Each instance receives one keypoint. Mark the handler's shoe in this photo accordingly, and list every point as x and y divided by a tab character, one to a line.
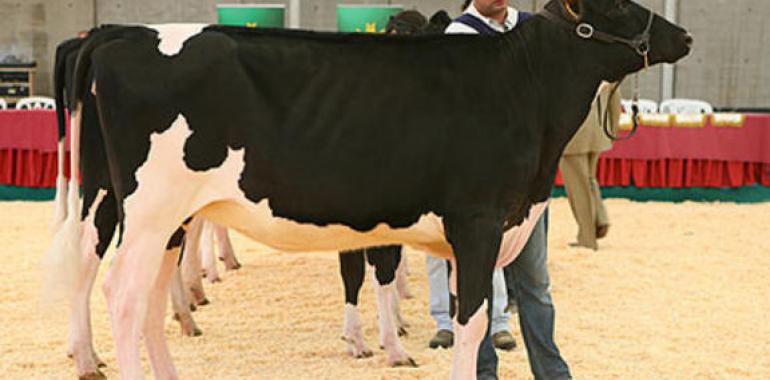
443	339
601	231
503	340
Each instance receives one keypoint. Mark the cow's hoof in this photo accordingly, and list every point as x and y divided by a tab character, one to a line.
203	302
98	375
193	307
357	350
235	266
214	280
195	332
365	354
402	331
408	362
602	230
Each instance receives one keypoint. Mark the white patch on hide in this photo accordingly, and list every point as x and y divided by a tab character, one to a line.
516	238
173	36
468	338
216	194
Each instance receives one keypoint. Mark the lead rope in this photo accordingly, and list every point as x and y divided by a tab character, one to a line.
634	105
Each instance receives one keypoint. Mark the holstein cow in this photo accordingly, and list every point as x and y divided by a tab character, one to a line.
319	141
80	344
186	288
390	266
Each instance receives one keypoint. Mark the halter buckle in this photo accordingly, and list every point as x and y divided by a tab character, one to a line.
585	30
643	47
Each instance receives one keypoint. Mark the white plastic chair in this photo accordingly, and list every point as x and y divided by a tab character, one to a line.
645	106
3	104
36	102
685	106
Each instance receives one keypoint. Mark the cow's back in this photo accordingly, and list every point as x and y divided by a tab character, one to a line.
353	130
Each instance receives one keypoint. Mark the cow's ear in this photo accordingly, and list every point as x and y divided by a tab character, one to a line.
573	9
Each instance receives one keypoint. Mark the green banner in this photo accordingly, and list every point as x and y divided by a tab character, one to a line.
252	15
365	18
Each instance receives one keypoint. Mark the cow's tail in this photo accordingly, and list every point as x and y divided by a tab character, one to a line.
63	260
60	66
62	264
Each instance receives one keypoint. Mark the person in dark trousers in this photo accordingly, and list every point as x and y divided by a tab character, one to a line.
529	271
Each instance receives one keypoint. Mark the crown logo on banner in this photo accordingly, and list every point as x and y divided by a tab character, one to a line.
251	24
370	27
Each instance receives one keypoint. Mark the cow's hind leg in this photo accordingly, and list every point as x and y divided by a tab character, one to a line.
154	336
191	264
475	240
98	230
226	251
402	279
181	305
81	347
207	252
385	260
131	280
353	271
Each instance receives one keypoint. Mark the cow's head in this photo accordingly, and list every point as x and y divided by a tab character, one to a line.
623	35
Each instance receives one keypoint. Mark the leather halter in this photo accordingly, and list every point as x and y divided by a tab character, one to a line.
639	43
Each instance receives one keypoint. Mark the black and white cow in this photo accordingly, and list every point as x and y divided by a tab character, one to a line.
186	288
80	344
322	141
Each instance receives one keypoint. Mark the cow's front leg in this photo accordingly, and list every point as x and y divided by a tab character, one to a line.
352	271
385	260
475	240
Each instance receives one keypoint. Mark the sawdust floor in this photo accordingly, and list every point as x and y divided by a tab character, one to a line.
677	291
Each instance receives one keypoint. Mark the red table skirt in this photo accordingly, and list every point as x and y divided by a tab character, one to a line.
679	173
29	168
710	156
32	168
